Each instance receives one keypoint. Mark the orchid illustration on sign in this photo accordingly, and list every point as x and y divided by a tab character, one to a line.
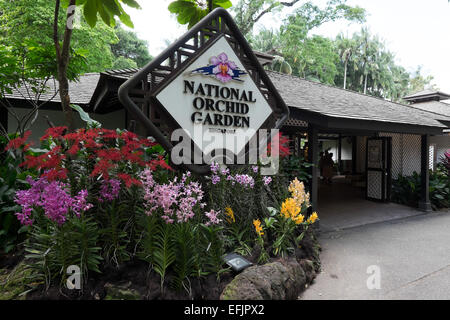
222	69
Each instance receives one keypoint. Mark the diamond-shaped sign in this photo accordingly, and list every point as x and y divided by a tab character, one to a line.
216	97
208	83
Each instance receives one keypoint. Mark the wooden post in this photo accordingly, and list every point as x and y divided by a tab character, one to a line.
313	157
340	154
354	154
424	203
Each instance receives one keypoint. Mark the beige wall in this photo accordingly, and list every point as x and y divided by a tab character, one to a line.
442	144
112	120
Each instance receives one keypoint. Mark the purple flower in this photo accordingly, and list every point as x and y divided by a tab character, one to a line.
215	179
213	217
174	200
255	169
80	203
223	69
53	198
109	190
267	180
245	180
215	167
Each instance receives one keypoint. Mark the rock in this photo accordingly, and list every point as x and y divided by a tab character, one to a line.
280	280
121	292
309	269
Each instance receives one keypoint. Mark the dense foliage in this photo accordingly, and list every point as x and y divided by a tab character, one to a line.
360	63
192	11
102	46
406	190
97	198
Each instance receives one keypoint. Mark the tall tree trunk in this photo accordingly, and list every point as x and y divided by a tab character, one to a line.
62	59
365	83
345	74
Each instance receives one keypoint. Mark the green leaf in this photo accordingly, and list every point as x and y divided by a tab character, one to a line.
85	117
126	20
90	12
222	3
112	6
180	5
132	4
106	17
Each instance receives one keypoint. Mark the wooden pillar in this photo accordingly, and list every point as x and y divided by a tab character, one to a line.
354	154
313	157
424	202
340	154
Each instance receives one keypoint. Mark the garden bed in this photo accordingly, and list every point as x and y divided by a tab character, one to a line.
103	211
135	280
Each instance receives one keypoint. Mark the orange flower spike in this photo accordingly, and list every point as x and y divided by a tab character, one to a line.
258	227
230	215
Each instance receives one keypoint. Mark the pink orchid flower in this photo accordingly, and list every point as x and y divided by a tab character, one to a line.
223	67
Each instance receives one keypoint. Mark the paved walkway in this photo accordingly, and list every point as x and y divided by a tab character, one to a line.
412	256
342	206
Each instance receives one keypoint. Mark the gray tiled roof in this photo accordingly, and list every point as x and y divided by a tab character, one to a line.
437	107
427	93
339	103
297	93
81	92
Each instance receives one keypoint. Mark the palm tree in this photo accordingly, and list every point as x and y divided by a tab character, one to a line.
346	49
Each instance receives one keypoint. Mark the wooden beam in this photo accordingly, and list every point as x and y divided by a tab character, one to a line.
313	157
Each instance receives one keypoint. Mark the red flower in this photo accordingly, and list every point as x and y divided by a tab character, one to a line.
102	167
50	160
109	154
109	134
55	174
128	180
74	149
55	132
160	162
283	146
18	142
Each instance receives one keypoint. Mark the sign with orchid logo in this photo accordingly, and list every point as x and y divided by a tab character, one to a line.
216	95
222	69
210	85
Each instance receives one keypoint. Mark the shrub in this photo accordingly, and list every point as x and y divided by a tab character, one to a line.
176	234
82	205
406	190
286	225
99	198
12	178
444	164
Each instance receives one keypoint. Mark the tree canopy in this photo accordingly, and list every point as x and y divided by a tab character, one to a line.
360	63
103	47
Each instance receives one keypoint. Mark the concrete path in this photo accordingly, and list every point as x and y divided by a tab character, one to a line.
342	206
411	257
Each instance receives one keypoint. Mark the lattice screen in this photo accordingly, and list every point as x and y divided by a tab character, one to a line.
431	156
406	153
374	184
296	123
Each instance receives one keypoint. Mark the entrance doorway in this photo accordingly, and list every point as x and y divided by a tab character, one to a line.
359	196
379	169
